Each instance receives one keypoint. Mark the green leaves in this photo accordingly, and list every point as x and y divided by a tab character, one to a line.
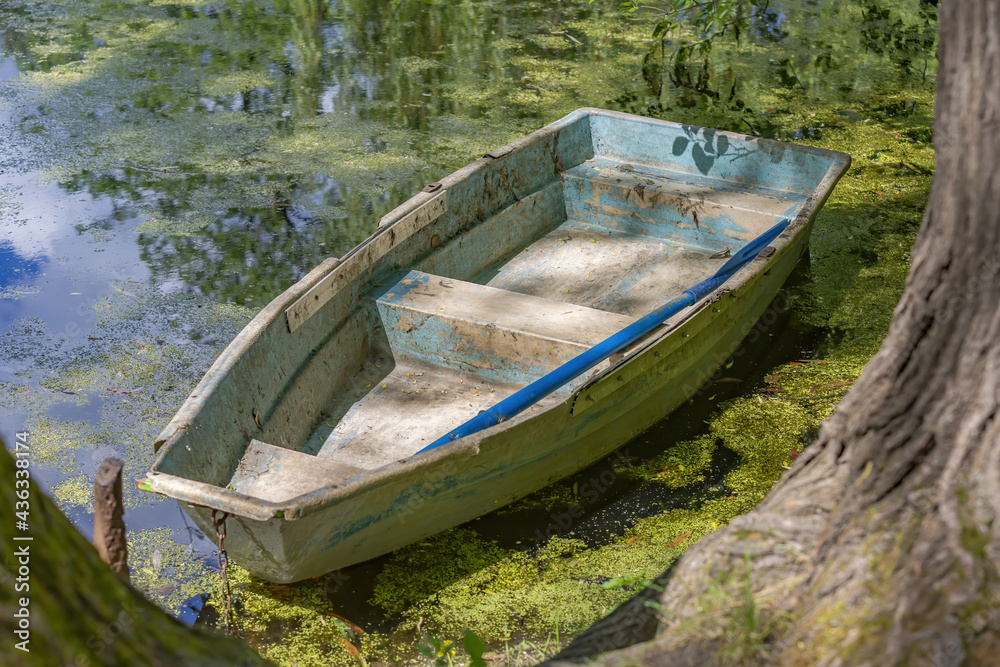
706	18
664	27
442	652
475	647
439	651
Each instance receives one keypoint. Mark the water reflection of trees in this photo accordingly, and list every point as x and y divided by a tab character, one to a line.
248	255
390	64
399	67
239	254
797	57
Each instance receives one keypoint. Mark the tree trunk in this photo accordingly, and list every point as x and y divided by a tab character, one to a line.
61	605
881	545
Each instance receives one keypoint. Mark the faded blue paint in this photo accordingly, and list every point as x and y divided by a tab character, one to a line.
673	205
491	353
701	151
611	205
415	495
485	247
737	261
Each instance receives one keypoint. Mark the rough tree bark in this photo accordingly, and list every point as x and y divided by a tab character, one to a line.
882	544
61	605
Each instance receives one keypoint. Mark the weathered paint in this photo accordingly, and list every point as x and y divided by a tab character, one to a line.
357	384
496	334
711	154
697	211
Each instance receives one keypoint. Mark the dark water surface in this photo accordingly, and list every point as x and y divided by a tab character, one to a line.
168	168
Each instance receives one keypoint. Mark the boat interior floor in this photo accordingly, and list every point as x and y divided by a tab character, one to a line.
391	421
387	422
459	348
628	241
635	236
606	269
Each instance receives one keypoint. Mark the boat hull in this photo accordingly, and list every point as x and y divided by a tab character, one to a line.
533	453
298	505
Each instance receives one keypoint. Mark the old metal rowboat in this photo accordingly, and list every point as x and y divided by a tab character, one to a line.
323	429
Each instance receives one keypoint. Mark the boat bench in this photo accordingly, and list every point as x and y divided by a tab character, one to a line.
278	474
651	201
458	348
496	334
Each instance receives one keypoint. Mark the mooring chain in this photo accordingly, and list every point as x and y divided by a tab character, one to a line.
220	534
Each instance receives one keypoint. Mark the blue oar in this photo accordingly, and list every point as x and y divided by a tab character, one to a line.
584	361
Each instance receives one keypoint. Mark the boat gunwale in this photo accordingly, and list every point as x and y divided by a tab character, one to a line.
212	496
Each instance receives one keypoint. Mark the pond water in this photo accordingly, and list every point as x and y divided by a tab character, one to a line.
168	167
